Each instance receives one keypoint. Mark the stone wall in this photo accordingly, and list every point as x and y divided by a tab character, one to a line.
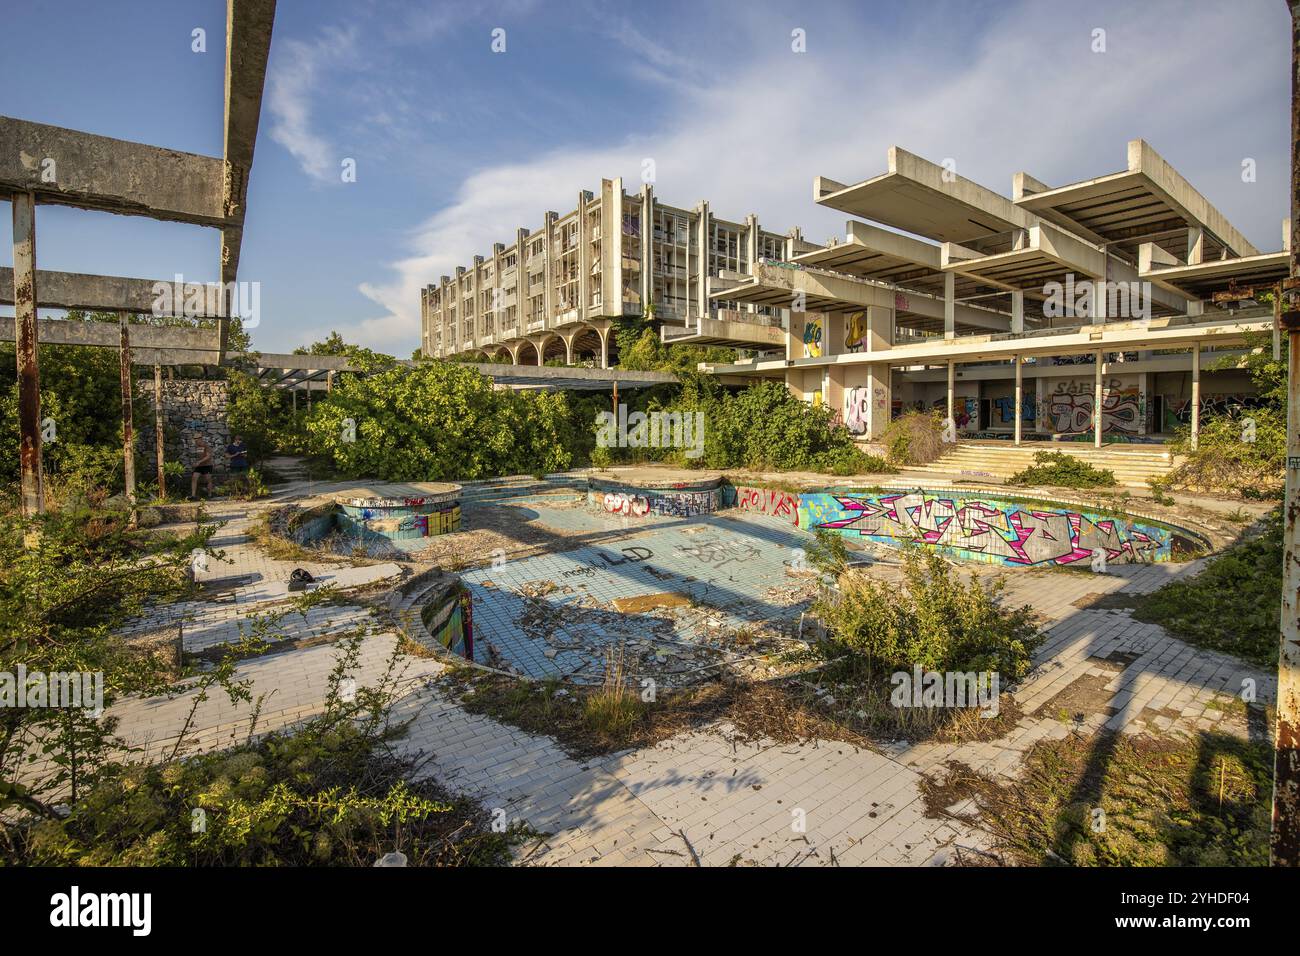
190	407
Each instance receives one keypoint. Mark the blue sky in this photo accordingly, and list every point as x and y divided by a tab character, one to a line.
455	145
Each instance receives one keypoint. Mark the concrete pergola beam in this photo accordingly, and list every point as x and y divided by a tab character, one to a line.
106	335
72	168
76	290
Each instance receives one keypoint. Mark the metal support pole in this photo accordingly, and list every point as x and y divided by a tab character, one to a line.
1196	394
128	423
1020	395
1098	401
158	430
25	341
952	374
1285	844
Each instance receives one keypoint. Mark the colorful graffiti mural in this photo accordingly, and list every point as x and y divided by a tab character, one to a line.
812	338
855	332
677	504
1178	411
769	501
1069	409
1006	409
999	531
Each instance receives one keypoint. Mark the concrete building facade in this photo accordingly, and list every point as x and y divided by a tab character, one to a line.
554	291
1042	314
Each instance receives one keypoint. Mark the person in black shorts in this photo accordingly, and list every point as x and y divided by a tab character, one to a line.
201	467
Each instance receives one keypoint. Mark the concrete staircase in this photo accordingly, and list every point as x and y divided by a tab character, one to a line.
1132	464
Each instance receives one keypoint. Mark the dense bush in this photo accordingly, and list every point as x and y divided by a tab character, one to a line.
1060	470
442	421
914	438
932	620
1241	451
762	427
1232	605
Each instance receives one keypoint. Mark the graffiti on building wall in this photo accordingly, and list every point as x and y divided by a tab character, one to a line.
1003	532
769	501
1006	404
966	411
1069	409
1178	411
812	338
857	408
855	332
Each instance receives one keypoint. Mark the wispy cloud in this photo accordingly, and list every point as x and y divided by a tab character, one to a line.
297	75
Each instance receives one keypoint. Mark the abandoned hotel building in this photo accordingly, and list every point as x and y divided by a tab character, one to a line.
1018	317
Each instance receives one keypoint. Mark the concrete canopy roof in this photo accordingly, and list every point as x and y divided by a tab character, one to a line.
776	284
921	198
1150	197
871	252
1204	279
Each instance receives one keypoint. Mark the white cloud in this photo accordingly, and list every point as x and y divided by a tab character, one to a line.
1029	95
297	73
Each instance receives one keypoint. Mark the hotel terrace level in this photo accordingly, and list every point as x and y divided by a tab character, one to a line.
1124	301
553	292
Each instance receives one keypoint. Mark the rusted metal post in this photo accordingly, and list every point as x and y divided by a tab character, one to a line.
1285	844
158	430
29	376
128	422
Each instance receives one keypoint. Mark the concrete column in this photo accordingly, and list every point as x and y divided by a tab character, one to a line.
604	347
880	328
584	257
1196	393
1097	402
952	376
1195	245
647	245
548	281
1041	408
702	290
1018	313
949	305
1020	395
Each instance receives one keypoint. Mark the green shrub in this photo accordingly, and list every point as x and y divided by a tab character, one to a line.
1065	471
932	620
321	796
1234	604
442	421
1240	452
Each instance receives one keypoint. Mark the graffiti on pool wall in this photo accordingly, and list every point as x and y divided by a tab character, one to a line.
678	504
1000	531
769	501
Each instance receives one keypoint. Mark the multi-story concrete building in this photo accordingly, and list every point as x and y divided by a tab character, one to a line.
1028	316
554	292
